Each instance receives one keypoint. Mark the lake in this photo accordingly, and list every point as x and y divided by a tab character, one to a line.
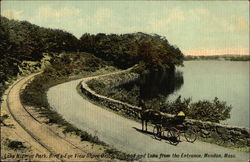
227	80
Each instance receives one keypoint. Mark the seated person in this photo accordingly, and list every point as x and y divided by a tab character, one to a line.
178	119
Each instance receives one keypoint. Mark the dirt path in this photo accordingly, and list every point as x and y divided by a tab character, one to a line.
48	143
125	134
15	132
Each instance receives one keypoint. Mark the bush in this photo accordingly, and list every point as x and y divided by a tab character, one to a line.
177	105
210	111
205	110
16	145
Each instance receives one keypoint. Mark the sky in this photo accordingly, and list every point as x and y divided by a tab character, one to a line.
196	27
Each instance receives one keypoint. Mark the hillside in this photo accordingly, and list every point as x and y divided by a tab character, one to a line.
25	44
152	51
23	41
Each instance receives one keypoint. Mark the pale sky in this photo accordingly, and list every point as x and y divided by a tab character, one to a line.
196	27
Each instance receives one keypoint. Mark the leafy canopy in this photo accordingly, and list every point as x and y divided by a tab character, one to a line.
152	52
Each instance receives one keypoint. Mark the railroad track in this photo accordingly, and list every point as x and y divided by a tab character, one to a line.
34	136
22	125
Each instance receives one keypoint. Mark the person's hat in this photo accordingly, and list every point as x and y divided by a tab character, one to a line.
181	113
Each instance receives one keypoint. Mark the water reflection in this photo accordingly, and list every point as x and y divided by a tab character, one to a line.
158	83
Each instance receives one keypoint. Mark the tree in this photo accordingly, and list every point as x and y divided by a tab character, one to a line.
128	49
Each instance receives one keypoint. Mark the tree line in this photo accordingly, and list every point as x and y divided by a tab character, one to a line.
219	57
151	51
22	41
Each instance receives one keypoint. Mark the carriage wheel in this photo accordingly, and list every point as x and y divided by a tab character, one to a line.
173	136
191	134
157	132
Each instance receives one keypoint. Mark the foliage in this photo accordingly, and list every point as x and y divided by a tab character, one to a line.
21	40
176	106
83	135
205	110
152	51
2	118
214	111
28	41
239	58
131	97
210	111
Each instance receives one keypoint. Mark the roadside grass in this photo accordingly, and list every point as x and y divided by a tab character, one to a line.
5	86
224	144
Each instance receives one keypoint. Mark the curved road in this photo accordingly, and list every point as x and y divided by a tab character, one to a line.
124	134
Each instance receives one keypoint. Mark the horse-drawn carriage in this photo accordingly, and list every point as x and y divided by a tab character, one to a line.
169	128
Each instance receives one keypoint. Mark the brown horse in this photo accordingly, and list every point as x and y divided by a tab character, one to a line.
150	115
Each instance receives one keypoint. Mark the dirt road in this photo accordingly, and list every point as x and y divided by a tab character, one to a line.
125	134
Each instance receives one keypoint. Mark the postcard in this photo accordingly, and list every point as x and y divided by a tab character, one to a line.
124	81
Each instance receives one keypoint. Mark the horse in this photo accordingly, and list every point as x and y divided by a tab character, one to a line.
150	115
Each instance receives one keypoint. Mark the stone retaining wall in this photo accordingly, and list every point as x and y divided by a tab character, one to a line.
128	109
120	78
223	134
217	133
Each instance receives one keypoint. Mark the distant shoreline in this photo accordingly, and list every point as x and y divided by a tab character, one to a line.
218	57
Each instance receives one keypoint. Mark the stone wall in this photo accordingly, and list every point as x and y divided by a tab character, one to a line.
130	110
223	134
213	132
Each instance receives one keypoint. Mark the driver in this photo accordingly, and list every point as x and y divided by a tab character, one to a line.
180	117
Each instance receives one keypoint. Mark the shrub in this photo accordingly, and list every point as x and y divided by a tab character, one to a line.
16	145
209	111
205	110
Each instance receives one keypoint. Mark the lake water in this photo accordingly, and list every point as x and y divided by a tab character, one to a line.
227	80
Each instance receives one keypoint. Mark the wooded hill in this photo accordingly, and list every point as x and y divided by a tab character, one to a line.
22	41
150	50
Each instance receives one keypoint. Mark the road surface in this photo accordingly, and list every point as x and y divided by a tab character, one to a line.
125	135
